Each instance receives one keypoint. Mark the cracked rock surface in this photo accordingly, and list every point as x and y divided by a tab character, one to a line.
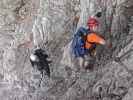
50	24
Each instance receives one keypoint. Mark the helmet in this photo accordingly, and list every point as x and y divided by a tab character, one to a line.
92	22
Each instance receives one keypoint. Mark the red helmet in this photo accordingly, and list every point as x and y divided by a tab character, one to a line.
92	22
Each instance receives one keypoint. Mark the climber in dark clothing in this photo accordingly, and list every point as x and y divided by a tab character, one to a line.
39	59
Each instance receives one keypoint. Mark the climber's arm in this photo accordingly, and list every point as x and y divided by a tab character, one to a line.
94	38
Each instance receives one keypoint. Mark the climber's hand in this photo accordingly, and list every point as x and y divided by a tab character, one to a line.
102	42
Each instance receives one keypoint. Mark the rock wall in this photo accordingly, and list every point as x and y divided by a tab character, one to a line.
50	24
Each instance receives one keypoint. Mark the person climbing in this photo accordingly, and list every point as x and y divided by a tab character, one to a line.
39	59
85	40
83	34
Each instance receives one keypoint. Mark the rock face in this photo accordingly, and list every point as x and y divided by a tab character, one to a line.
50	24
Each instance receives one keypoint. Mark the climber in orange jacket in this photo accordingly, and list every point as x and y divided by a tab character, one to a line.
88	41
91	40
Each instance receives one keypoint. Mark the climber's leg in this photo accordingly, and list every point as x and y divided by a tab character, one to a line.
88	62
92	51
81	61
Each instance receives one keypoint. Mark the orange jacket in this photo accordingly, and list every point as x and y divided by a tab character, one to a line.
93	38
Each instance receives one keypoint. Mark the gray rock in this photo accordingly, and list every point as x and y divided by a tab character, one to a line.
50	24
